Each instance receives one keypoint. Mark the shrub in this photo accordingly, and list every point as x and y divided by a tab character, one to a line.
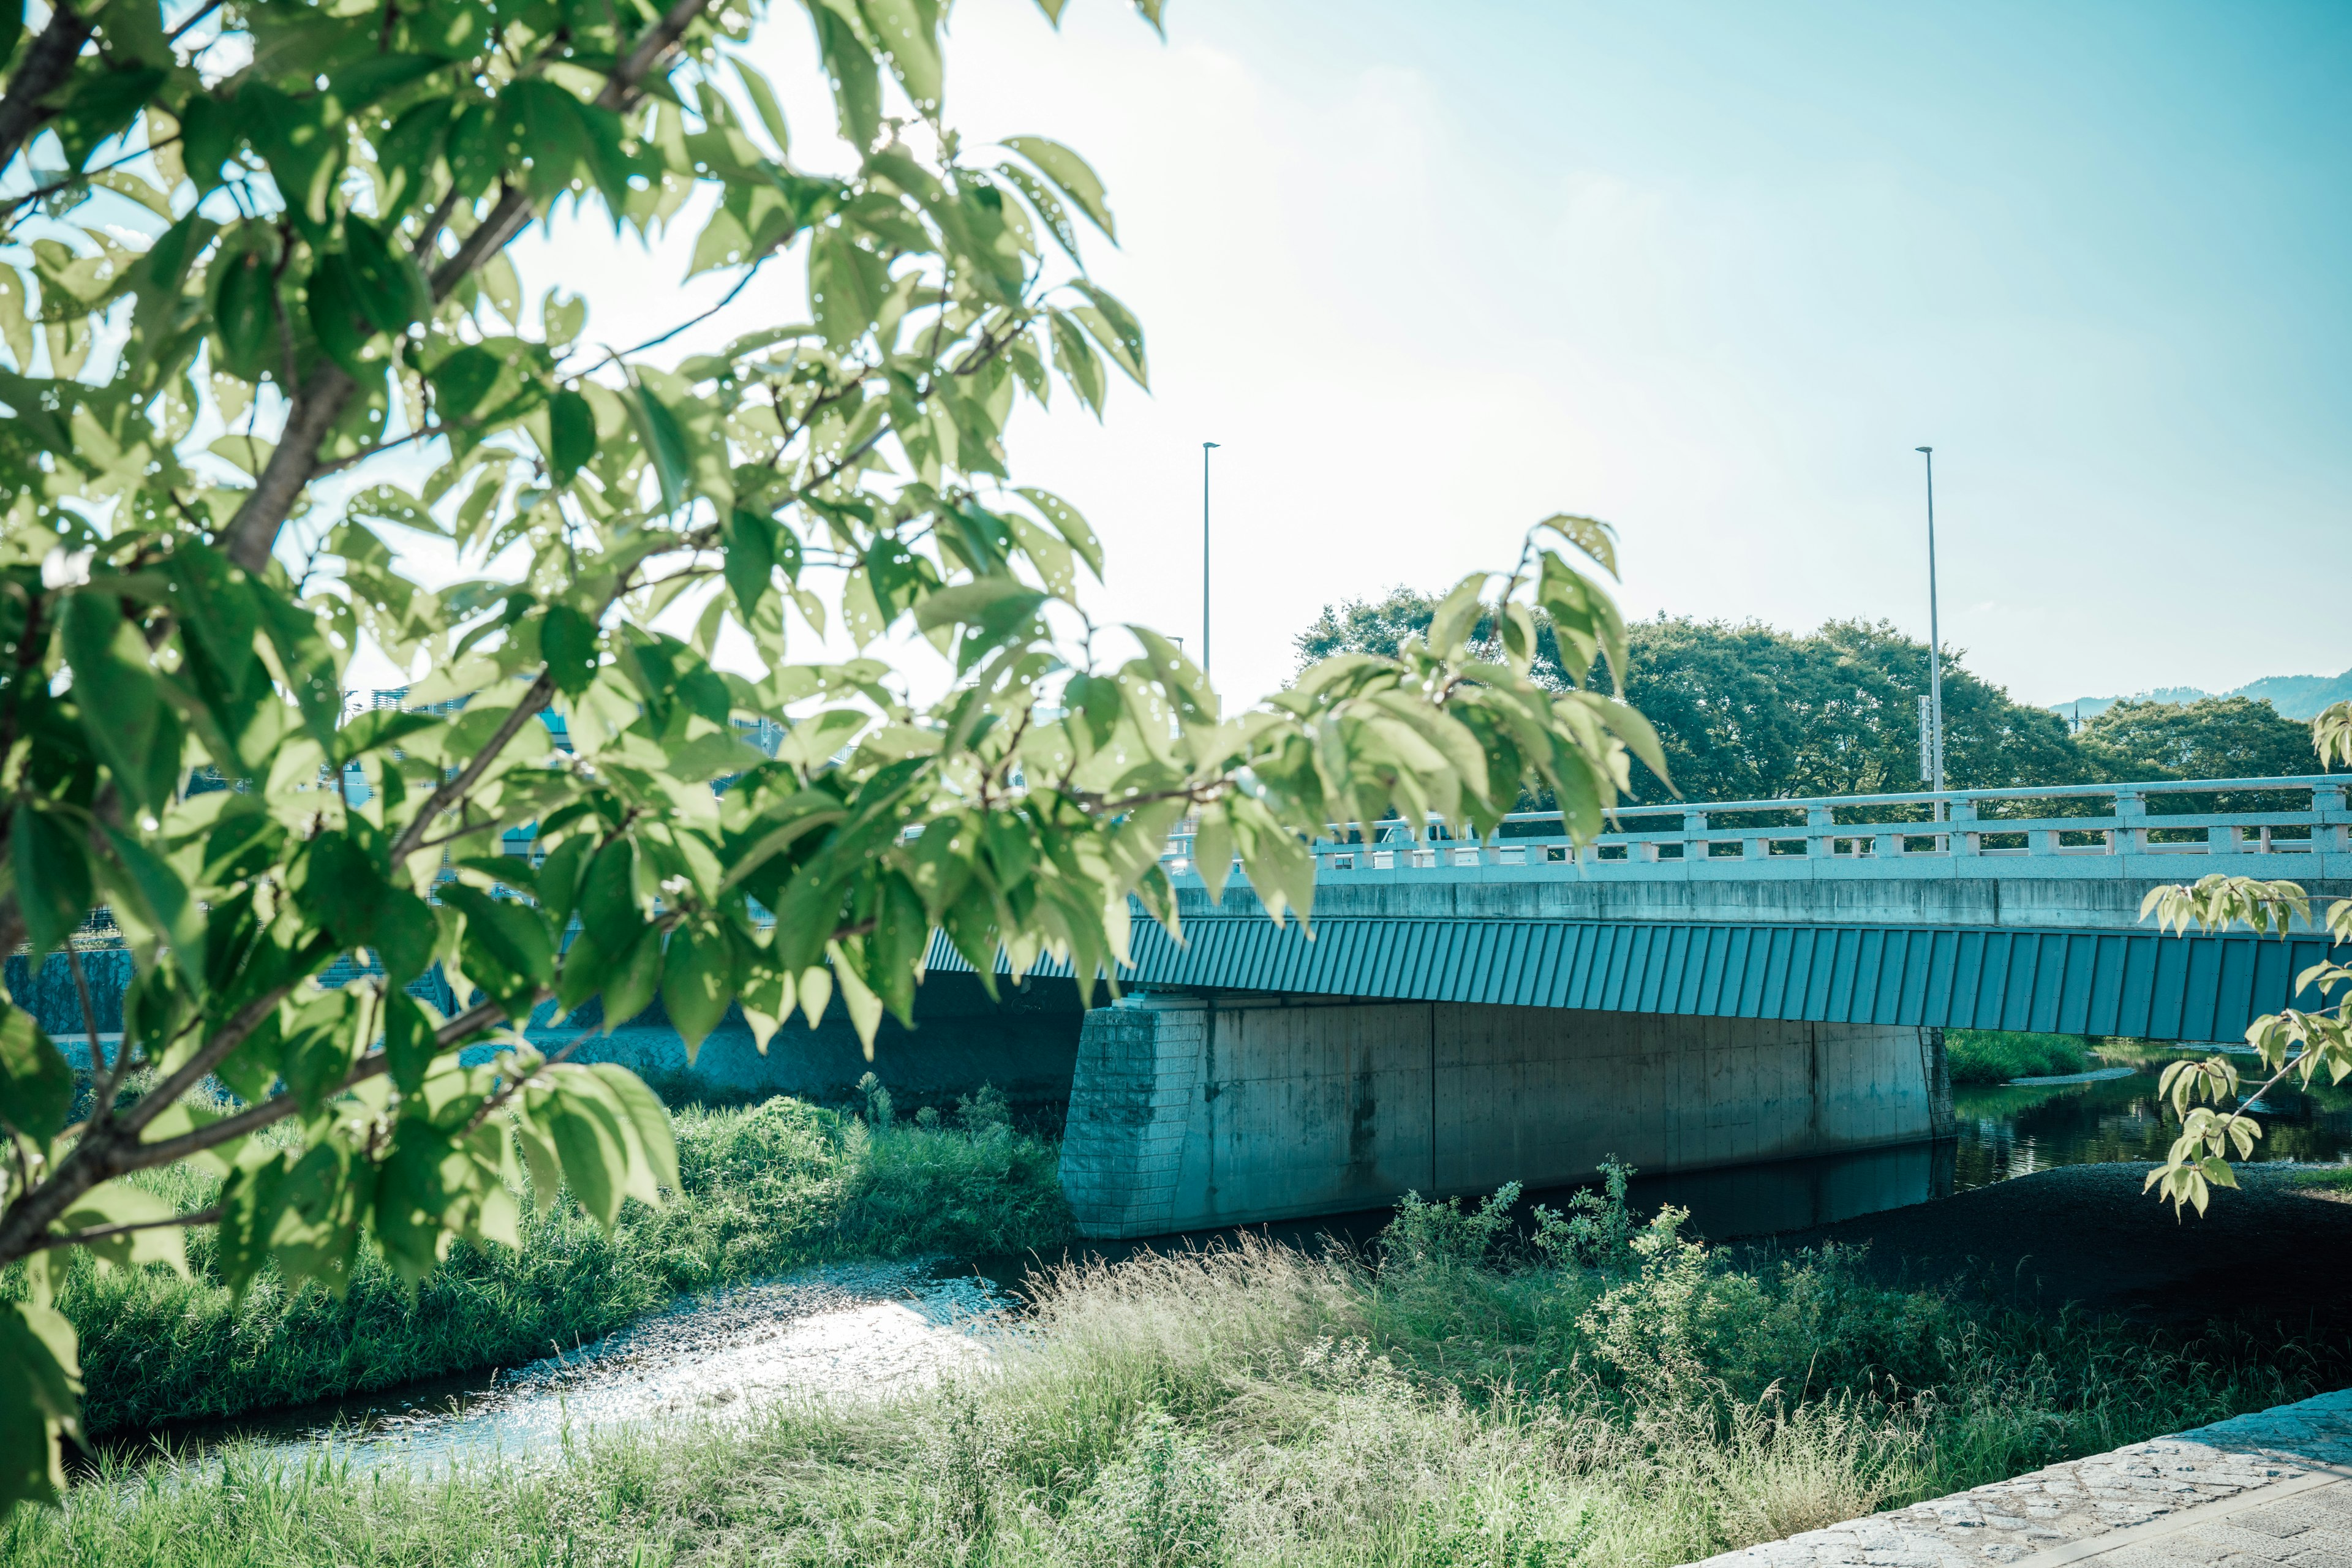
763	1189
1994	1056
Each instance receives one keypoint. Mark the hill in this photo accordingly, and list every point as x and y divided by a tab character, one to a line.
2295	696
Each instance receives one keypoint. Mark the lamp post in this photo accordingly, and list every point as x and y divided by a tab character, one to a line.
1934	647
1206	448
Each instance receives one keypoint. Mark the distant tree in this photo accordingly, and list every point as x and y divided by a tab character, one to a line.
1749	712
2218	737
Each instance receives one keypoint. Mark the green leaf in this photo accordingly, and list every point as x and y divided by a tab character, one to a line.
36	1086
665	445
908	32
1071	176
507	952
750	559
119	1203
698	982
120	701
1056	216
572	425
1070	525
847	284
52	876
319	1045
348	891
391	289
409	1042
40	1401
1592	536
559	877
102	104
857	79
1115	327
567	640
16	321
145	881
763	101
588	1126
629	986
1077	361
611	908
245	311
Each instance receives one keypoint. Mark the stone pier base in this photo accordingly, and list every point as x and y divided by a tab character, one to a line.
1189	1111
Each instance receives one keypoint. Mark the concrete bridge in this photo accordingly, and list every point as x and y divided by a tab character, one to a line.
1707	988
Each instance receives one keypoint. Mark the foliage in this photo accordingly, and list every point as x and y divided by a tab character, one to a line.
2297	1042
260	245
1426	1232
2216	738
1997	1056
763	1190
1749	712
1256	1404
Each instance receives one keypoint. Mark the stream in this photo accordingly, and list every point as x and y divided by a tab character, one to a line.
863	1330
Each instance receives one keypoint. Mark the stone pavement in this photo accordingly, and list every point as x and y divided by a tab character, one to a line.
2257	1490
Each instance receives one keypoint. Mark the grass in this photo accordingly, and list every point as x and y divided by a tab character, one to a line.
765	1189
1997	1056
1610	1393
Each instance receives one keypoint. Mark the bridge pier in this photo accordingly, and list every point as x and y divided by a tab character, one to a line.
1189	1111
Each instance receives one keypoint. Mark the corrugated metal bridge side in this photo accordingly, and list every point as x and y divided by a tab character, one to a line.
2138	985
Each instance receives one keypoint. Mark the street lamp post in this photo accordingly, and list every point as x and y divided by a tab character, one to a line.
1206	448
1934	647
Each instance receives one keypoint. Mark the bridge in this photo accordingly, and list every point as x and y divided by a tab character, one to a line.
1705	989
1701	988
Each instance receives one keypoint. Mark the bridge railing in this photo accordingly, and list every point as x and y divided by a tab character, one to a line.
2284	817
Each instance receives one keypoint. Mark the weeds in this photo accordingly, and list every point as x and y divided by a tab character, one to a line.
1611	1394
1997	1056
764	1189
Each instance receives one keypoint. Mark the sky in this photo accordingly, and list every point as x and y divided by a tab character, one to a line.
1429	273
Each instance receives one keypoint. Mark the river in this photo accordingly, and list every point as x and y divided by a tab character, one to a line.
875	1328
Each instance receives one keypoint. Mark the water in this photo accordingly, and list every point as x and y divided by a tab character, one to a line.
854	1331
865	1331
2009	1130
2003	1130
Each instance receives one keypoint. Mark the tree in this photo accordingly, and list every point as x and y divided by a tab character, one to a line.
286	221
1749	712
2211	1100
2214	738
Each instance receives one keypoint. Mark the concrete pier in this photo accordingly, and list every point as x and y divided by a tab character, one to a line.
1189	1111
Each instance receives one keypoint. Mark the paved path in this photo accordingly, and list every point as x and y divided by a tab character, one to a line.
2252	1492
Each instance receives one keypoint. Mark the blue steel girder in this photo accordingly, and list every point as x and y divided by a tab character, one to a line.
2138	985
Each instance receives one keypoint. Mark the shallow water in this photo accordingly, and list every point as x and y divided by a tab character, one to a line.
2015	1130
847	1330
863	1330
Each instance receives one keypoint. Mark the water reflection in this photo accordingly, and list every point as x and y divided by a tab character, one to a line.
2014	1129
851	1331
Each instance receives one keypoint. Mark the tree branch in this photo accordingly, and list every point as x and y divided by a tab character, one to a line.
43	69
108	1232
253	1118
412	837
253	532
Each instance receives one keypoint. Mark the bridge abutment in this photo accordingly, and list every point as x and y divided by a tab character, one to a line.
1189	1111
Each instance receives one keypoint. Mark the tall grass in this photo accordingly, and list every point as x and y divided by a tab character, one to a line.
1614	1395
763	1189
1996	1056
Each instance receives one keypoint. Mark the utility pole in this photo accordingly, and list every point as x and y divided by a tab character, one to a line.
1934	647
1206	448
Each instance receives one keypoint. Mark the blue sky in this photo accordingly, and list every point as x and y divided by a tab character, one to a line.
1431	272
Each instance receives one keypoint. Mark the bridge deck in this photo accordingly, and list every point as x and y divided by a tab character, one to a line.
1872	917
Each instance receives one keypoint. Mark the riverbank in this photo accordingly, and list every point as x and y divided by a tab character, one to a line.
2276	1250
1614	1394
765	1189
